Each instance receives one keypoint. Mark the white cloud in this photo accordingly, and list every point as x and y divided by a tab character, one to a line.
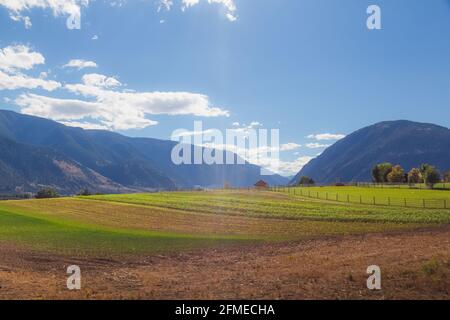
99	80
26	20
18	81
165	4
289	146
190	3
326	136
84	125
118	3
94	37
289	168
114	109
19	57
231	17
106	104
58	7
316	145
229	6
170	103
72	8
260	156
58	109
244	128
14	60
78	112
80	64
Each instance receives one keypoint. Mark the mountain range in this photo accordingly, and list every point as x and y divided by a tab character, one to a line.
399	142
37	152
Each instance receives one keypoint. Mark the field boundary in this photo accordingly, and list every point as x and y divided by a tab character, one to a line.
366	200
423	186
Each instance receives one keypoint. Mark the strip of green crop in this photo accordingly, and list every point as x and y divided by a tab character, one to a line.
288	208
69	236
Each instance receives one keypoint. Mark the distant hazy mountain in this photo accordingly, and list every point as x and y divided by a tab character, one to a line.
37	152
399	142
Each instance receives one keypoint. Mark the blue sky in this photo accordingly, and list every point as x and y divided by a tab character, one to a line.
306	67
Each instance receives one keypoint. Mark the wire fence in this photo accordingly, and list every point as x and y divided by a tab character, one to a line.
364	199
436	186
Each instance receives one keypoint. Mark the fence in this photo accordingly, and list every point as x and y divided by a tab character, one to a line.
370	200
437	186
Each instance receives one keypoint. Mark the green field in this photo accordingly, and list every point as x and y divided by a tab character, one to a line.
386	196
72	237
161	222
437	186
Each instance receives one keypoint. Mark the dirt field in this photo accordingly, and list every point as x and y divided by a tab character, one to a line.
414	265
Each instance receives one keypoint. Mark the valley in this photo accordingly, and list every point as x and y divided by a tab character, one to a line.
167	245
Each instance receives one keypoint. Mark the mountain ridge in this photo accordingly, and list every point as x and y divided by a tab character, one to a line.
403	142
123	164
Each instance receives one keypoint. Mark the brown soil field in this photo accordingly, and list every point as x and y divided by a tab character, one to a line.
414	265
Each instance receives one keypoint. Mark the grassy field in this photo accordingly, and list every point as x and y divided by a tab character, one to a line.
161	222
221	245
77	238
387	192
441	185
389	196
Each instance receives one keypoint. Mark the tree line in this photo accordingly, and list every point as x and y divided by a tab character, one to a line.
387	173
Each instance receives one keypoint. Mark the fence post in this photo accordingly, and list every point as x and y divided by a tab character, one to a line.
389	201
348	198
405	203
423	200
374	201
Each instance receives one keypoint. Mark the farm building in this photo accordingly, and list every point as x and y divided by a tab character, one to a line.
261	184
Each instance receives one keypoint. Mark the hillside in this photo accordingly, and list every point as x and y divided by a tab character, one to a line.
400	142
110	162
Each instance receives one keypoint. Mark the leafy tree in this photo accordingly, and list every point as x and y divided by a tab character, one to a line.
381	171
432	176
447	176
376	174
423	168
306	180
46	193
397	175
414	176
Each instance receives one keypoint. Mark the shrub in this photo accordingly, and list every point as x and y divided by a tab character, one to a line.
46	193
84	192
431	267
432	176
381	171
447	176
423	168
414	176
306	181
397	175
